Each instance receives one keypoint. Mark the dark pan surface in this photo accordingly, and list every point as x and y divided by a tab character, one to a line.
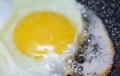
109	12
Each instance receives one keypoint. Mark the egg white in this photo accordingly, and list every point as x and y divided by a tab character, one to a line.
6	11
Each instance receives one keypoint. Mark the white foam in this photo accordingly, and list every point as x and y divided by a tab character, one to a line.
103	58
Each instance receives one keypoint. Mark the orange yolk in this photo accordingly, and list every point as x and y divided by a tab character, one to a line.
39	33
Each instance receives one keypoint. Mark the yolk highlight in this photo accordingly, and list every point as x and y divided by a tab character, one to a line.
39	33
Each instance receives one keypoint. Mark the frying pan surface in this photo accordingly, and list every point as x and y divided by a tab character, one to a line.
109	12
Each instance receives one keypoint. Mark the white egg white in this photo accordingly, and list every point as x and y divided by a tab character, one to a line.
6	11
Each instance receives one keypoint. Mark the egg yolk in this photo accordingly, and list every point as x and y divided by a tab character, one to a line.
43	32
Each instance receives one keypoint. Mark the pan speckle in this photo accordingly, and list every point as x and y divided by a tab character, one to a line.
109	12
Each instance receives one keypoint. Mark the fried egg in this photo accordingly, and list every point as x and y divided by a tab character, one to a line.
41	35
55	38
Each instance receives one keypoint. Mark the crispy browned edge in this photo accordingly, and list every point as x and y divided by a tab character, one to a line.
112	51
